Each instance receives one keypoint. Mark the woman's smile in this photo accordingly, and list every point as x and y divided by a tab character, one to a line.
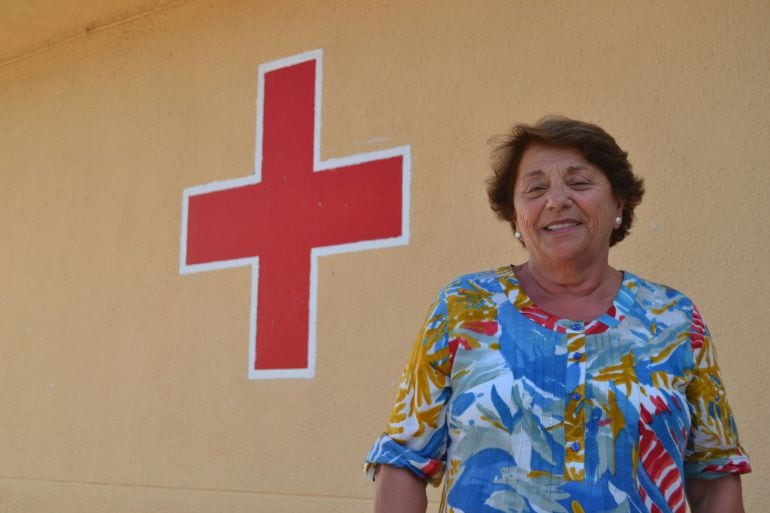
561	226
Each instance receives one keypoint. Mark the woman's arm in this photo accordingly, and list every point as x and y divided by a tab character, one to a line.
398	490
721	495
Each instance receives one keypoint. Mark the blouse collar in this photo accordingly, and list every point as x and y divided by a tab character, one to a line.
618	310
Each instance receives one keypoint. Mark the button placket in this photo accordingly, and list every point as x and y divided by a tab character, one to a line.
575	408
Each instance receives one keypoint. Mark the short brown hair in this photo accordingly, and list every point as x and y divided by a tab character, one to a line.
597	146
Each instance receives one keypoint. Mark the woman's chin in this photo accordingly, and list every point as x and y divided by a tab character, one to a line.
568	252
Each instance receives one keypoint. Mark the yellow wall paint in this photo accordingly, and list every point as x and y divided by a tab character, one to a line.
124	383
32	27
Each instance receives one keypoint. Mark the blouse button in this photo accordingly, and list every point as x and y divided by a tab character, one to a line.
576	396
596	413
577	356
575	446
577	327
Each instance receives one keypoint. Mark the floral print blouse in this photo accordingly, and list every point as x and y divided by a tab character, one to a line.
521	411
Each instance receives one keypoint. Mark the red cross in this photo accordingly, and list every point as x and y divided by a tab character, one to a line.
292	210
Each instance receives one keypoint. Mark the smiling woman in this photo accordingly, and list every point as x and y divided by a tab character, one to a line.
561	384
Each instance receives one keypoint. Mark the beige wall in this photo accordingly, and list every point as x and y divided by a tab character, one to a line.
124	383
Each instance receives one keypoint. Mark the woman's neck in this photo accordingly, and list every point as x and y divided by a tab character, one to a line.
571	281
577	294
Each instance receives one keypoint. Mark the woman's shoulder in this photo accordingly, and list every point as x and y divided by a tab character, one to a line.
656	296
489	279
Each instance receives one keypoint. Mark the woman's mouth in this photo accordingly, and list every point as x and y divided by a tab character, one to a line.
561	225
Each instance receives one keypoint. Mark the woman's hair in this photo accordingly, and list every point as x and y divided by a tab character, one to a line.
597	146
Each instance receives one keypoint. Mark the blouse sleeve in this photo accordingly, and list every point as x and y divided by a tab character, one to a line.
416	436
713	448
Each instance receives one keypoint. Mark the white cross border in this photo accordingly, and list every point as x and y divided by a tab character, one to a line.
256	177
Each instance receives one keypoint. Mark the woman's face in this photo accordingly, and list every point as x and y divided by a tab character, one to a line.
565	208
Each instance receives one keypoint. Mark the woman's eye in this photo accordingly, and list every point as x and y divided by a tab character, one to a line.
535	188
579	184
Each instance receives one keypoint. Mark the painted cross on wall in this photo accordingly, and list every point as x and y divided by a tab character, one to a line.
292	210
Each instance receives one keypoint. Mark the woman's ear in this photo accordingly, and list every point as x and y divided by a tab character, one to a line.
621	203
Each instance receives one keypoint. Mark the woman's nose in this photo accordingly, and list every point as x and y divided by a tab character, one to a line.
558	198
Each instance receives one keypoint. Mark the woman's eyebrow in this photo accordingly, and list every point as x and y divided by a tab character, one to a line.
575	169
570	170
535	172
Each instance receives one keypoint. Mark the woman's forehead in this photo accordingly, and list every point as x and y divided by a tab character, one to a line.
542	158
539	161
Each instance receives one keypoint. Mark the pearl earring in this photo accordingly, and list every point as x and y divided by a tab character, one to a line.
618	221
517	234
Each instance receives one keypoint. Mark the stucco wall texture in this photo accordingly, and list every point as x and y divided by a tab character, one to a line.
124	384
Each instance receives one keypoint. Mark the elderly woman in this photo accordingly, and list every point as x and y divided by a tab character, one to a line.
561	384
